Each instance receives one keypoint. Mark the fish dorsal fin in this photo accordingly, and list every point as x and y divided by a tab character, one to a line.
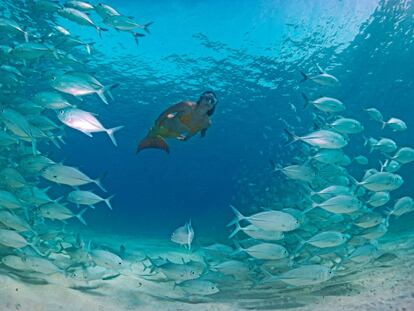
321	71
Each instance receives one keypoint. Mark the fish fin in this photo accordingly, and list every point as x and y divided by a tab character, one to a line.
34	247
320	70
266	272
101	94
302	243
238	248
304	77
108	201
314	205
146	29
45	190
55	142
366	141
98	182
108	89
26	36
235	231
146	266
156	142
306	99
383	165
137	35
88	47
87	133
99	30
291	136
239	216
111	132
58	199
34	146
79	216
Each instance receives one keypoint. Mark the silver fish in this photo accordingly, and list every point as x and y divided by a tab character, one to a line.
85	122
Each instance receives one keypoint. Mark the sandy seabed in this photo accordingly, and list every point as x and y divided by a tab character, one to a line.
389	287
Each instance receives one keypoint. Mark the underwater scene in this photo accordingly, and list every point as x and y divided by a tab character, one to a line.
206	155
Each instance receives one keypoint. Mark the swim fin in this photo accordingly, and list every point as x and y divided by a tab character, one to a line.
156	142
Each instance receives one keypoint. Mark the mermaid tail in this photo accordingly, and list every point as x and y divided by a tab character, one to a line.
155	142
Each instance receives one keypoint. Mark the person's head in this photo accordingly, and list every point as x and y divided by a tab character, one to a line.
207	102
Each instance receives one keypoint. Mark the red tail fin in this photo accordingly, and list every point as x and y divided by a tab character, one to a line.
155	142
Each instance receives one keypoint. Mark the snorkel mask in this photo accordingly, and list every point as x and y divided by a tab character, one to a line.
211	97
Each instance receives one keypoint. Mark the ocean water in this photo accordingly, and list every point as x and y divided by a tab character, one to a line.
251	54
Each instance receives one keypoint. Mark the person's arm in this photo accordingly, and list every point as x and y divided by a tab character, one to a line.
175	109
204	130
187	136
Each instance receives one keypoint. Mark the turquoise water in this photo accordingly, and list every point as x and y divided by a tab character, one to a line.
253	55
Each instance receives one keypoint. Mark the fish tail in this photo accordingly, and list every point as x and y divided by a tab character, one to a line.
146	29
314	205
98	182
88	47
152	267
304	77
239	249
156	142
26	36
79	216
239	216
99	30
383	165
101	94
291	136
108	89
137	35
366	141
235	231
268	276
384	124
108	201
34	247
58	199
111	133
356	182
302	242
147	267
34	146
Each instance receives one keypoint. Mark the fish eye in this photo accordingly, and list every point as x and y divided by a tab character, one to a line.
61	112
192	272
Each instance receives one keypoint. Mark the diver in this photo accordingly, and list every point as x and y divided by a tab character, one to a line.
181	121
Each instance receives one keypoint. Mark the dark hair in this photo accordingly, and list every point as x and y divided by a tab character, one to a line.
209	93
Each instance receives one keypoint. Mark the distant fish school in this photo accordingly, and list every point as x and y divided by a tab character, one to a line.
334	229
